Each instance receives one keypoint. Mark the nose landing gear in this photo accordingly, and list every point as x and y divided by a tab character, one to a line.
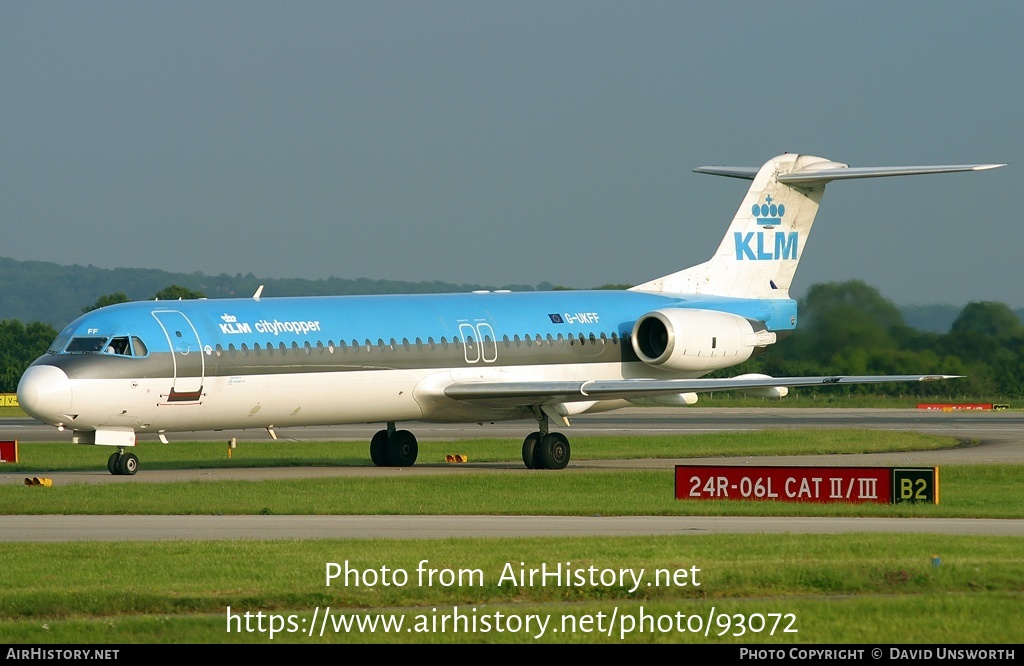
122	464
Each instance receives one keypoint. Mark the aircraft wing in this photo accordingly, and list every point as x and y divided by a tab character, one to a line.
546	392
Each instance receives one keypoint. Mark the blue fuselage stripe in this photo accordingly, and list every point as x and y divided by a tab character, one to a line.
236	321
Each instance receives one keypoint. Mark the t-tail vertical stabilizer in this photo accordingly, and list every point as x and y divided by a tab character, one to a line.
763	246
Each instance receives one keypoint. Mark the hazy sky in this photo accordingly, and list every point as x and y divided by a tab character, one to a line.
507	142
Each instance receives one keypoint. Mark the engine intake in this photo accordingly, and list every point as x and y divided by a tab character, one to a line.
697	340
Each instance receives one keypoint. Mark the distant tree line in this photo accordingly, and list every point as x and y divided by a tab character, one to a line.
844	328
21	344
54	293
848	328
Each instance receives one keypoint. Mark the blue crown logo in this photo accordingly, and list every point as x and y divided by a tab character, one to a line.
768	214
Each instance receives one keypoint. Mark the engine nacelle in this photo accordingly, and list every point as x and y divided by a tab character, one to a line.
697	340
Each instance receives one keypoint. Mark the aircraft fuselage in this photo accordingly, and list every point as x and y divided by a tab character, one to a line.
279	362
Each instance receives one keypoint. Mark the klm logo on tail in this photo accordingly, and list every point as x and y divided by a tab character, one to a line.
768	214
760	246
764	246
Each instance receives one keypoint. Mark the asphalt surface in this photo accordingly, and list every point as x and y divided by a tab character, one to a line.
649	421
990	437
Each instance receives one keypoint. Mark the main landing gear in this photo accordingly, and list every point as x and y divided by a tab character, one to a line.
393	448
543	449
122	464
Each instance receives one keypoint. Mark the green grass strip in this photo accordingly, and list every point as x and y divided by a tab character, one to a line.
848	588
967	491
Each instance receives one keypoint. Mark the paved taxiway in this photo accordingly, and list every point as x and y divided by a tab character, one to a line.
998	437
637	421
160	528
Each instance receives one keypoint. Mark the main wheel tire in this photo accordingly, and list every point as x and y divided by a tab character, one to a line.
112	463
128	464
402	449
379	449
530	449
554	451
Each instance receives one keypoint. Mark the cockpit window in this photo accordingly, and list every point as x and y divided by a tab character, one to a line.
140	346
120	345
85	345
59	343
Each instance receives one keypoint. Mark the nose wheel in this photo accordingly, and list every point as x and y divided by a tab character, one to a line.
122	464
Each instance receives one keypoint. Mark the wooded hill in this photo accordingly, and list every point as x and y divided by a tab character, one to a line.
55	294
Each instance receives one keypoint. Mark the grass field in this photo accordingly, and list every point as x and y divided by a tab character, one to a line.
853	588
863	588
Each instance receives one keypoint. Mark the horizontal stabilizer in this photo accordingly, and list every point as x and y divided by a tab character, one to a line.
746	173
825	172
814	176
540	392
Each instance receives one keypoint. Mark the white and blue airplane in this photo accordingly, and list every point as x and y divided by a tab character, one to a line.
178	366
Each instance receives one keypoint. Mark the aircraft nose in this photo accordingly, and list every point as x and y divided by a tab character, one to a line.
44	392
